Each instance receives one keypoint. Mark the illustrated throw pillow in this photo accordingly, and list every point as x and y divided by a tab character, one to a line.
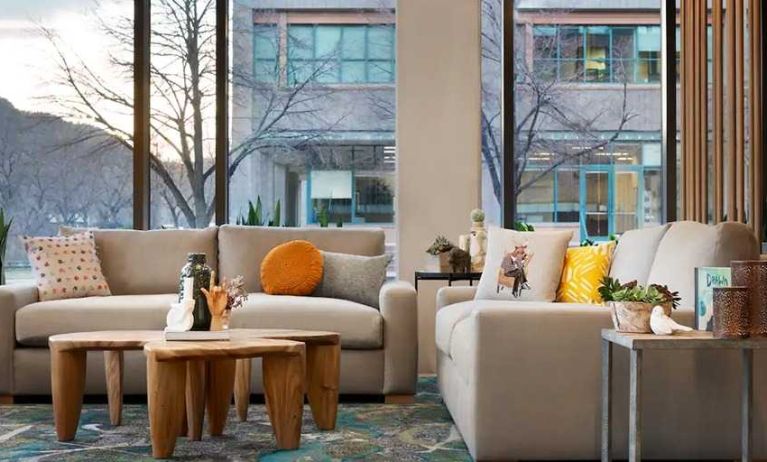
66	266
292	268
353	277
523	265
585	267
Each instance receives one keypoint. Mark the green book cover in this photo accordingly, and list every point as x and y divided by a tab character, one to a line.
706	278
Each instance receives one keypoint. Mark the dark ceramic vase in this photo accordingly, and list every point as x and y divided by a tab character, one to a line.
197	269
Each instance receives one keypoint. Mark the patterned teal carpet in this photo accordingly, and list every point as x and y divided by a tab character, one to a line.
366	431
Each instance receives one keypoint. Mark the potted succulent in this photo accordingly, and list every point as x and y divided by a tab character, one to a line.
631	304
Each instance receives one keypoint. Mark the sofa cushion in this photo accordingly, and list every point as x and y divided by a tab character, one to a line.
36	322
149	262
688	245
634	255
360	326
353	277
242	248
292	268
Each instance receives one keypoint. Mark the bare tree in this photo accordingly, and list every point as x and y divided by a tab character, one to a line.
183	102
543	102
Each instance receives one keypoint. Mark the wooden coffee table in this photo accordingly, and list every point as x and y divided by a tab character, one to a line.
323	367
168	380
68	355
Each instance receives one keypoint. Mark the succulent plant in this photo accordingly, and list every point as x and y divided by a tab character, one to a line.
441	244
612	290
477	216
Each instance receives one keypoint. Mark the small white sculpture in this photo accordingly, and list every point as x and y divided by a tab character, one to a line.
180	317
661	324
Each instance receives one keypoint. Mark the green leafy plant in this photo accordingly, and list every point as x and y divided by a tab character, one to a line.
323	217
5	231
254	216
612	290
340	222
523	226
276	215
440	245
477	216
587	243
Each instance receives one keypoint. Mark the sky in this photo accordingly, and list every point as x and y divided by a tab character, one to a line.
27	60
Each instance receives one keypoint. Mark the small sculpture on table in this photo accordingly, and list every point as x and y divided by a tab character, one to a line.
180	317
222	299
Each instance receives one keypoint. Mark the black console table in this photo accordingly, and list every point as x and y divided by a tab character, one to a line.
449	277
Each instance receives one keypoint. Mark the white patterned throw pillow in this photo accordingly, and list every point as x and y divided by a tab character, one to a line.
523	265
66	266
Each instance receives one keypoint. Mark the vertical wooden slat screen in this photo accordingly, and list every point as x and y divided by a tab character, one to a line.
756	125
736	162
716	110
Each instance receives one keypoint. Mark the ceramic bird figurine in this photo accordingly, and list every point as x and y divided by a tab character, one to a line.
661	324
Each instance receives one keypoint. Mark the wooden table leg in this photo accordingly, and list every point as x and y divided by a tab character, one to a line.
746	405
323	367
219	393
113	367
165	398
607	366
196	372
242	388
67	387
284	394
635	406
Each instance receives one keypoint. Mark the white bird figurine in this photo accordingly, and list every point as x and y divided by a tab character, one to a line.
661	324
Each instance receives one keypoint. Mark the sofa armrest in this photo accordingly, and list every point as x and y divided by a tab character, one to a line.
451	295
12	297
399	308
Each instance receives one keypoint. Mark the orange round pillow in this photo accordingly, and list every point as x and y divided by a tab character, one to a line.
292	268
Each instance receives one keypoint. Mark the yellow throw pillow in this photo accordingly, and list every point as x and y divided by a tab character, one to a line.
292	268
585	267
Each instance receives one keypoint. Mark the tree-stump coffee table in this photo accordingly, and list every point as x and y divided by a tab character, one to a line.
168	380
68	359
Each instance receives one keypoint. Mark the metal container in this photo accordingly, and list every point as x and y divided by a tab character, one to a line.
731	312
753	274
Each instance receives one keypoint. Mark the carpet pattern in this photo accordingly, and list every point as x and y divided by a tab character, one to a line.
422	431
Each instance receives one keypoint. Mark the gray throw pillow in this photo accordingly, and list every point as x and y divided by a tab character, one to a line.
352	277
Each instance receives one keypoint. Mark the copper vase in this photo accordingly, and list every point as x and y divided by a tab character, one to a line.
753	274
731	312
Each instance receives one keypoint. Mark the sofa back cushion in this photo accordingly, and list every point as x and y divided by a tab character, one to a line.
688	245
635	253
149	262
242	248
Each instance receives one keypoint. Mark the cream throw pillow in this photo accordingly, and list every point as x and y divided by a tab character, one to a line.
523	265
66	267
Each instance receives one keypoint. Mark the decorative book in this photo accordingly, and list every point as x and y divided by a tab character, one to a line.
706	278
197	335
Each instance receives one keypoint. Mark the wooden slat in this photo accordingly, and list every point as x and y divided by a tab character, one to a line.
690	111
717	110
757	122
729	106
683	137
702	154
739	115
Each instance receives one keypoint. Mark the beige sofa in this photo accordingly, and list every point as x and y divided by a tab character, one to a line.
379	346
522	379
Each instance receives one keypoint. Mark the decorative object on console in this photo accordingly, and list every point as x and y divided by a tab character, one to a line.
197	269
5	230
478	241
631	304
585	268
292	268
66	267
217	299
731	312
706	278
440	248
180	317
662	324
353	277
523	265
753	274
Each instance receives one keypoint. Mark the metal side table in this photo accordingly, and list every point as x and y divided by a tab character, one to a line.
449	277
636	344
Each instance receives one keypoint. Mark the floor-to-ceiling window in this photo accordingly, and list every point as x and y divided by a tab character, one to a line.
312	117
587	133
66	121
